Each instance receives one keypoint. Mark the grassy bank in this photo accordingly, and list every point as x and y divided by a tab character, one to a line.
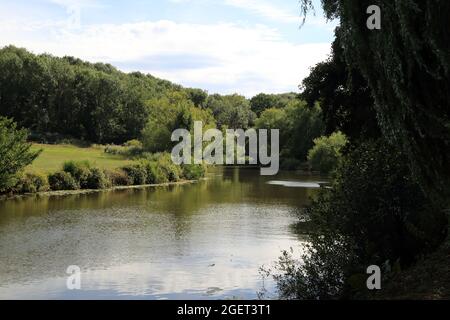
61	168
64	193
53	157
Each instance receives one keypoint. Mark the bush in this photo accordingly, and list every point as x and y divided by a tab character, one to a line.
137	174
62	181
374	214
326	153
133	144
117	178
155	174
193	171
172	171
97	179
130	149
32	183
80	171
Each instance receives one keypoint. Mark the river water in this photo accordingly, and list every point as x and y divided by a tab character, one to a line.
201	241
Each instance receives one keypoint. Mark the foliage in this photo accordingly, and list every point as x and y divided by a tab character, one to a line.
326	153
303	125
299	125
32	183
290	164
174	111
62	180
92	102
193	172
344	96
197	96
80	171
262	102
409	76
231	111
137	174
374	214
155	174
97	179
118	177
272	118
130	149
172	171
15	153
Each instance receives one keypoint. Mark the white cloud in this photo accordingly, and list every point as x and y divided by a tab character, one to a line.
265	10
75	3
240	59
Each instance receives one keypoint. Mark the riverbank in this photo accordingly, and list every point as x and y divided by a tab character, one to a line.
428	279
89	191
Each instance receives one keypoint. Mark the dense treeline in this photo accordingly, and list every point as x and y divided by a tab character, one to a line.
93	102
60	99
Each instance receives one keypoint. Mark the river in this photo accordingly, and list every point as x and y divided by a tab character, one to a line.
201	241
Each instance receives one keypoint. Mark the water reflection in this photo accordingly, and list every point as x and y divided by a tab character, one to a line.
202	241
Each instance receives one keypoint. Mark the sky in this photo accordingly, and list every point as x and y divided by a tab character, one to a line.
222	46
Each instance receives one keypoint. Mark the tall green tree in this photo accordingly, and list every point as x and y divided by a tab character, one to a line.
72	98
407	67
231	111
15	153
344	96
174	111
264	101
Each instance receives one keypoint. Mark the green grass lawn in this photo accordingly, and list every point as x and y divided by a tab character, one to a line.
53	156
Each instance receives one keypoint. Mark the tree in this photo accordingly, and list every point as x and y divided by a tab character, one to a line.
263	101
299	125
15	153
68	97
375	213
271	119
174	111
303	125
407	67
344	96
197	96
231	111
327	152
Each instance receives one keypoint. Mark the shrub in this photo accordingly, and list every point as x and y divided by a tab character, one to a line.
193	171
62	181
130	149
155	174
133	143
80	171
137	174
97	179
113	149
32	183
172	171
118	178
326	153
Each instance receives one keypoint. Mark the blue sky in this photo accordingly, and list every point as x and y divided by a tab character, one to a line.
224	46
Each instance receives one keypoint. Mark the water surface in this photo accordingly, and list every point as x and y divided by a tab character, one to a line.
200	241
